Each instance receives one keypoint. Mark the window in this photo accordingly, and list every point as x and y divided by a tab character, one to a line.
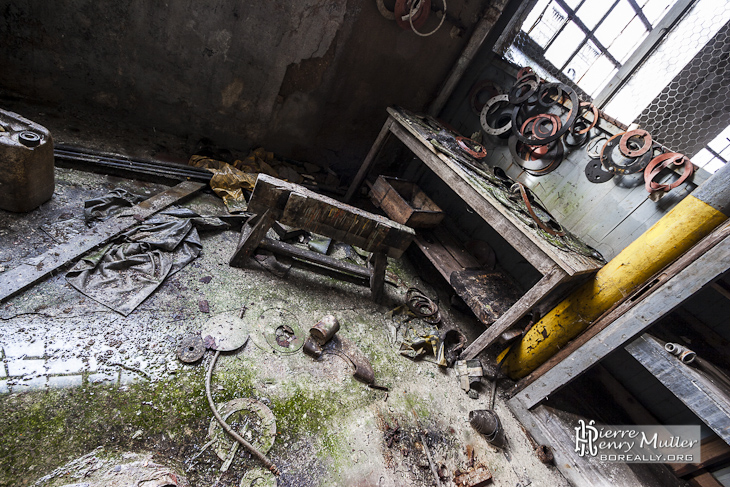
716	154
588	41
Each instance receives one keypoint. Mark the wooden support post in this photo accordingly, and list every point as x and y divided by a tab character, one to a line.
714	451
705	479
24	276
517	311
377	264
369	159
251	234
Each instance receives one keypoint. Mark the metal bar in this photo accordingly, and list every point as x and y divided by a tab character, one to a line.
589	36
641	15
588	33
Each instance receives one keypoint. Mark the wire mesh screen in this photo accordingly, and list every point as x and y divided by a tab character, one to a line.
695	106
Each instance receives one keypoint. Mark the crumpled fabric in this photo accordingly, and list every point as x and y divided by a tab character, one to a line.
229	181
104	207
122	275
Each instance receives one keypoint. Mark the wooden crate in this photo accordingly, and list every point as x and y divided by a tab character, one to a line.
405	203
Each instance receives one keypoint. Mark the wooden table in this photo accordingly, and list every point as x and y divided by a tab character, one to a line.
555	265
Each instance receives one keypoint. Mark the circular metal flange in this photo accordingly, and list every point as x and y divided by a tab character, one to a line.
191	349
546	89
29	139
225	332
585	128
281	330
575	139
544	164
264	426
484	120
485	85
595	173
522	91
635	165
575	108
624	143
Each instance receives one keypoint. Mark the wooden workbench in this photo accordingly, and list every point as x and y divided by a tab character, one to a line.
556	265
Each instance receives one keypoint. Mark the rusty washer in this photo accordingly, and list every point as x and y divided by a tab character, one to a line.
325	329
624	147
472	147
191	349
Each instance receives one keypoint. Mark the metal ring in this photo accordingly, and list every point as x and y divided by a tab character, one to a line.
594	109
476	90
546	163
525	71
593	150
485	113
384	10
545	89
579	138
464	144
636	165
516	94
624	147
568	123
538	121
402	10
660	162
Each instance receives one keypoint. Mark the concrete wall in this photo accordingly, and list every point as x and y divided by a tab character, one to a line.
309	79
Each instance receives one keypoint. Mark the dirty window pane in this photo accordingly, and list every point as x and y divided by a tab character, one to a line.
720	143
619	18
593	10
572	3
577	67
626	42
597	76
565	45
553	18
702	158
534	14
654	10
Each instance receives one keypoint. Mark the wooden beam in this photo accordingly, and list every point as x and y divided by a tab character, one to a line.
697	392
710	336
517	311
705	479
26	275
631	319
369	159
638	413
606	333
714	451
283	248
721	288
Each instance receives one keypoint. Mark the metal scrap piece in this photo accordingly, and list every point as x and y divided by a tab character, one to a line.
345	348
191	349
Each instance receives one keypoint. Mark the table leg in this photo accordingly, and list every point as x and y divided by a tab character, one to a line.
251	234
517	311
377	264
369	159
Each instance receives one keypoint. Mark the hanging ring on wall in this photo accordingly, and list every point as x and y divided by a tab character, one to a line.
587	128
536	125
522	91
594	146
624	147
540	223
548	89
579	138
572	114
411	12
487	111
660	162
390	15
426	34
485	85
539	160
637	163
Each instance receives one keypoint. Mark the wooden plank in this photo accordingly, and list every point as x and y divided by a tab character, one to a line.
368	161
721	288
710	336
377	264
455	248
705	479
556	428
283	248
605	335
24	276
699	394
490	294
714	451
517	311
438	255
687	275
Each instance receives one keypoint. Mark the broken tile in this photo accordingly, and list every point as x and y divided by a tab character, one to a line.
19	367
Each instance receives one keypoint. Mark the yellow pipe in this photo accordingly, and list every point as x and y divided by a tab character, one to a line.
681	228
